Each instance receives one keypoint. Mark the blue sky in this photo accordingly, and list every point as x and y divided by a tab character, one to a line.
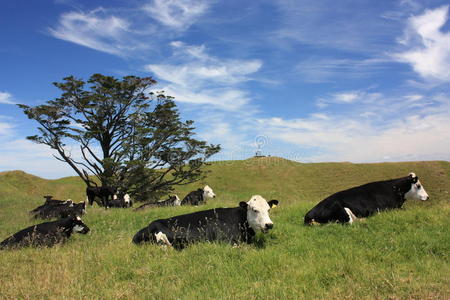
313	81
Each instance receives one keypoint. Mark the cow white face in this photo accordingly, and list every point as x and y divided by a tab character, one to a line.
126	198
176	201
258	213
208	192
79	226
417	192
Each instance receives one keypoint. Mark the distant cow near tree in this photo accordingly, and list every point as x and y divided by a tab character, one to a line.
104	193
121	201
45	234
365	200
53	208
199	196
173	200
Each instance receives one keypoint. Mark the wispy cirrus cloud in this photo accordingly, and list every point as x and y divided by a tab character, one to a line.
130	30
348	97
415	134
333	25
194	76
176	14
6	128
319	69
6	98
427	45
98	30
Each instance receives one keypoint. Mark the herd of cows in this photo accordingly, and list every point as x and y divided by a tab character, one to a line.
231	225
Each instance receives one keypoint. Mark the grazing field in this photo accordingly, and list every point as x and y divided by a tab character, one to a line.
401	254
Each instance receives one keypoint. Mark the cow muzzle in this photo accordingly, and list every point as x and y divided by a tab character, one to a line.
267	227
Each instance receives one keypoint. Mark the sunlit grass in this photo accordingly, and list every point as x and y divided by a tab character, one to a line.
401	254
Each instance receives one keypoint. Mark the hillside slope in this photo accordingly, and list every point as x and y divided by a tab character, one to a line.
271	177
400	254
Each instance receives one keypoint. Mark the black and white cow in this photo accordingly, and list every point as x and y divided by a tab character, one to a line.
199	196
121	200
62	209
173	200
49	201
104	193
45	234
365	200
230	225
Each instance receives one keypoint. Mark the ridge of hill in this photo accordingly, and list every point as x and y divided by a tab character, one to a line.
272	177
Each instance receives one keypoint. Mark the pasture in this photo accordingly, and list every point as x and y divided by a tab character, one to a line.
401	254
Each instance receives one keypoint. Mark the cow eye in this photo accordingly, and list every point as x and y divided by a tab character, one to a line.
419	186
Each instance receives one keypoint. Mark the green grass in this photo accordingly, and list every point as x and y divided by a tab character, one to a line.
401	254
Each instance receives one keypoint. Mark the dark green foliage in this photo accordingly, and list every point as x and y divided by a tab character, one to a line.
127	137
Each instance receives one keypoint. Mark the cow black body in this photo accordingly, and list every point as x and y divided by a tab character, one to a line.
194	198
221	224
58	209
171	201
120	201
104	193
45	234
363	201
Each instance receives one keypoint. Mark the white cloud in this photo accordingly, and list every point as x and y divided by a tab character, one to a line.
209	98
318	69
333	24
197	68
194	76
428	46
408	134
6	98
6	129
98	30
21	154
177	14
348	97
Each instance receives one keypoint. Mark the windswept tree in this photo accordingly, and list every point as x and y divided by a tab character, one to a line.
122	134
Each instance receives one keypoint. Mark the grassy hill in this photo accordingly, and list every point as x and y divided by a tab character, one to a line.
402	254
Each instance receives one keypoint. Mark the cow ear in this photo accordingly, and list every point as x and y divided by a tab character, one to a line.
243	204
273	203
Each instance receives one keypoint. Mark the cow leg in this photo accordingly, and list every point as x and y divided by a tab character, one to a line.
105	201
90	199
350	214
341	214
161	238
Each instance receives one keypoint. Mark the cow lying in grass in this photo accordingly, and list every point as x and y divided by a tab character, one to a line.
367	199
199	196
173	200
45	234
121	201
58	209
230	225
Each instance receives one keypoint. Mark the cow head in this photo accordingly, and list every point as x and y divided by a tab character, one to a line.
79	226
208	192
416	192
82	207
127	200
175	200
258	213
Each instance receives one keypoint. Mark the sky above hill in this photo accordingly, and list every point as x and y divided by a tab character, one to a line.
313	81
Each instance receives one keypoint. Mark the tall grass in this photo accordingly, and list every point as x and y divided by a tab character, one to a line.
401	254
